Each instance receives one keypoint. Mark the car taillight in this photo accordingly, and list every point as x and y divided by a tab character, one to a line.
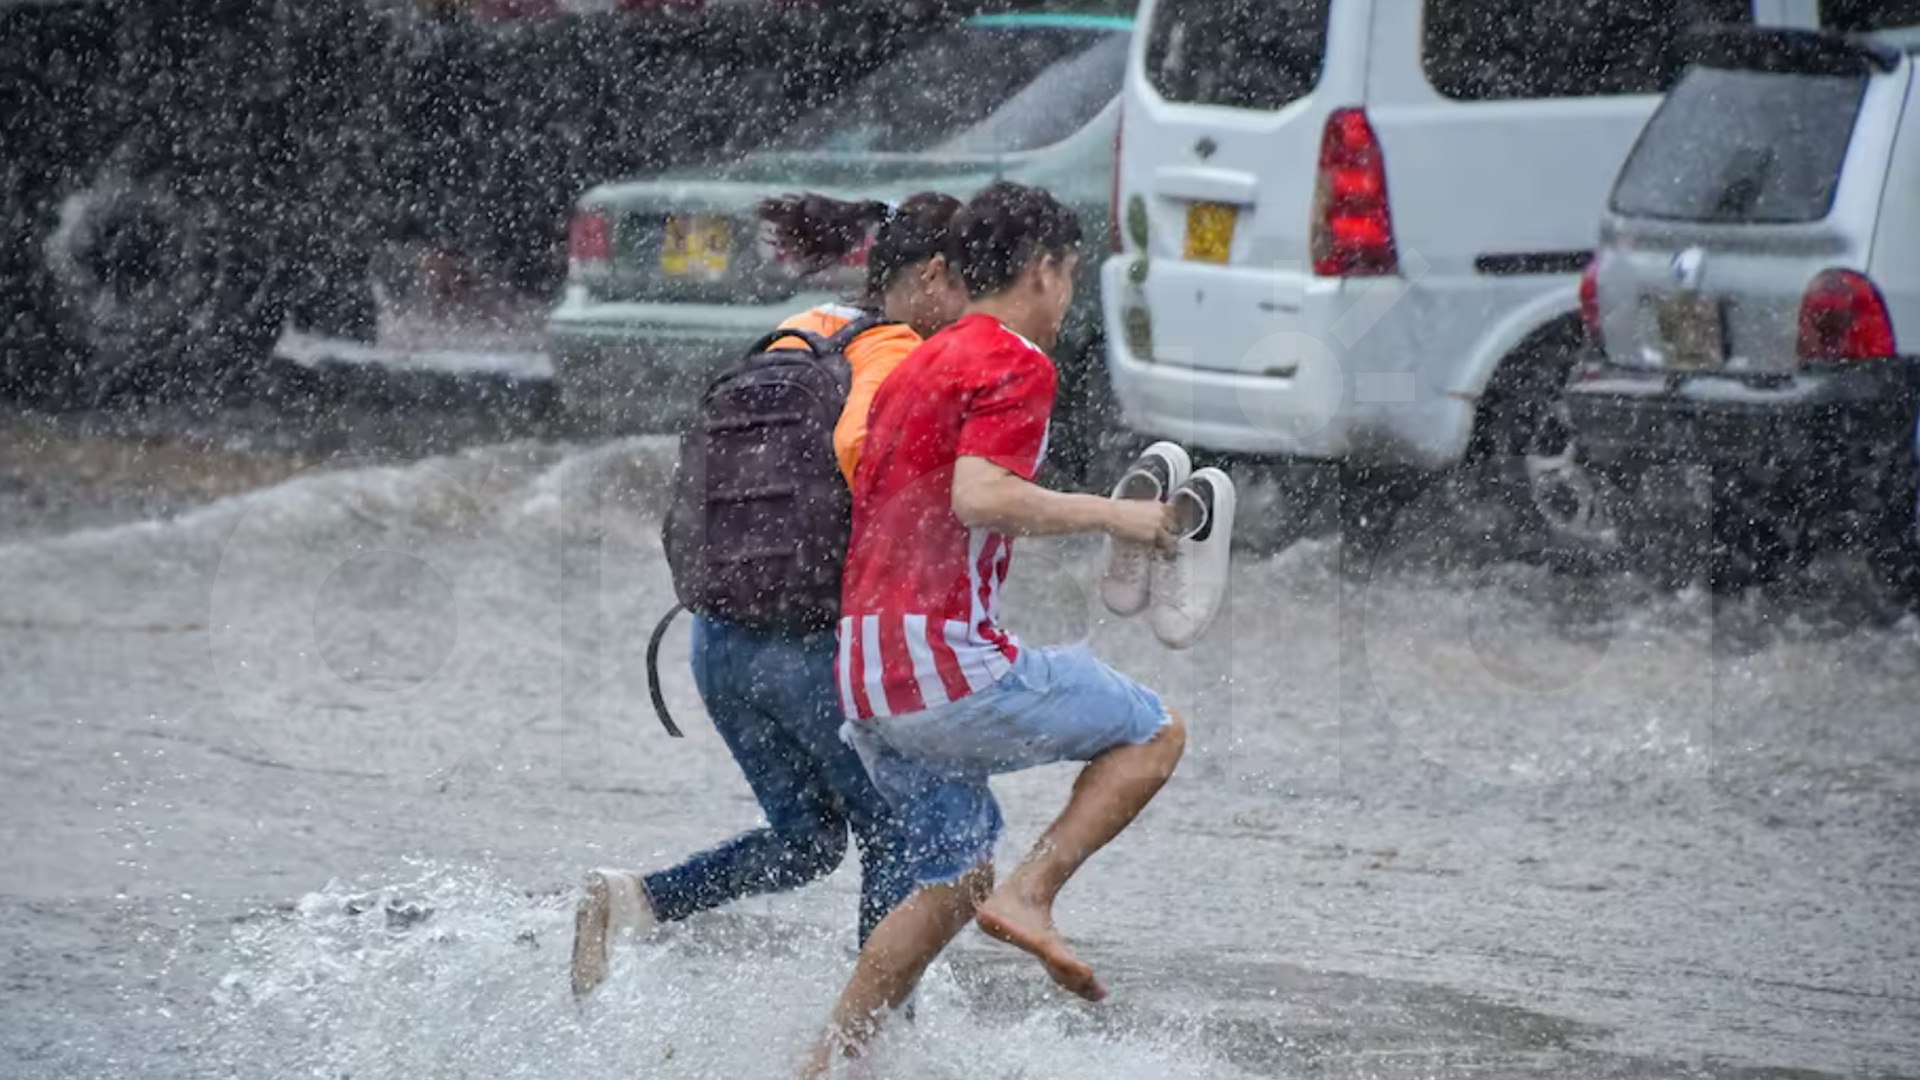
1352	226
1115	231
1844	317
1590	299
589	238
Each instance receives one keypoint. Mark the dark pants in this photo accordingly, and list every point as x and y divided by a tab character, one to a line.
775	700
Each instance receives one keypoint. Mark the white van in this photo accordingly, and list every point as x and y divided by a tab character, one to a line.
1354	230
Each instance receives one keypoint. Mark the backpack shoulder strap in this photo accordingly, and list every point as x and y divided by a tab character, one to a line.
846	335
816	344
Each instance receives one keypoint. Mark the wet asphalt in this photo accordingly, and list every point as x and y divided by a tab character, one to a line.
317	706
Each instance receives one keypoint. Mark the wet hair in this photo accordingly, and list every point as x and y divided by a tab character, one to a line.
1005	227
818	231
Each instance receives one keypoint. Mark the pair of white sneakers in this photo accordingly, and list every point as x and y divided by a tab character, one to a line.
1180	591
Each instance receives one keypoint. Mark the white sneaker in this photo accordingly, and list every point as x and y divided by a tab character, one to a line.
613	903
1189	584
1125	584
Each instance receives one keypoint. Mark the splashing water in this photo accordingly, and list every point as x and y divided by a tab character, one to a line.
458	974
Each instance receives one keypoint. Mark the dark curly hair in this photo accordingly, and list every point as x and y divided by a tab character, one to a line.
1005	227
818	231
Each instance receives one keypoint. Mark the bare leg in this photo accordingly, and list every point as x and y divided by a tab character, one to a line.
891	963
1110	792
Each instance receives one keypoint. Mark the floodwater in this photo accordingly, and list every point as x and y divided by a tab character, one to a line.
304	754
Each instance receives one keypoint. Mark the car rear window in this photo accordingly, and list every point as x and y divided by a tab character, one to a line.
937	91
1867	16
1502	50
1064	99
1243	54
1733	145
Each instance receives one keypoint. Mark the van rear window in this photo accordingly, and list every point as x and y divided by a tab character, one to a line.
1743	146
1867	16
1502	50
1243	54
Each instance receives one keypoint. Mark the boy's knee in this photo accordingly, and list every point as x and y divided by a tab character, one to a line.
1174	733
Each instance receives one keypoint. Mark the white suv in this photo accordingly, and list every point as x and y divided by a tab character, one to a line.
1755	306
1355	231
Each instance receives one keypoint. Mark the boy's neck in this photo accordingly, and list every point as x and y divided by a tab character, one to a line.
1018	315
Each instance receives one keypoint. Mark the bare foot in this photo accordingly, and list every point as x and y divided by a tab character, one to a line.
1028	926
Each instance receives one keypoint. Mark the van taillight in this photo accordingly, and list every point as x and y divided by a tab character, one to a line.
1590	299
1114	227
589	238
1844	317
1352	226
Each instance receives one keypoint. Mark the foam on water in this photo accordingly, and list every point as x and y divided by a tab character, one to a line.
458	974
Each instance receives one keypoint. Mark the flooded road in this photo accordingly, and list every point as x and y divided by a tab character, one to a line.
310	739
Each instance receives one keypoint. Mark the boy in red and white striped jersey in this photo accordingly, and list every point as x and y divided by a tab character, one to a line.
939	695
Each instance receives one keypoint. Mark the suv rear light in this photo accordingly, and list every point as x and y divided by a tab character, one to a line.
1352	225
589	238
1114	228
1844	317
1590	298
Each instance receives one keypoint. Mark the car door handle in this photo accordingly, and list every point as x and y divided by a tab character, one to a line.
1198	183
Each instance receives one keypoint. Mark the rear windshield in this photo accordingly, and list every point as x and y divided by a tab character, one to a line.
1867	16
1244	54
1743	146
951	84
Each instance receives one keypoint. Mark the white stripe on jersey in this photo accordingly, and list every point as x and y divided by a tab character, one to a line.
926	672
971	653
846	669
876	665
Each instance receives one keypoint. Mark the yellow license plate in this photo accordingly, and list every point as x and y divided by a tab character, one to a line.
1691	333
1210	232
697	247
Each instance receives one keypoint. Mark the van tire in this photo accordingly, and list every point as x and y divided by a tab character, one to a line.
1523	460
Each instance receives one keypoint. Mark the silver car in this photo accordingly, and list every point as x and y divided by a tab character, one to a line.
672	275
1755	308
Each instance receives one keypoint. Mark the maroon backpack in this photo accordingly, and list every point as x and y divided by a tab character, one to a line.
761	516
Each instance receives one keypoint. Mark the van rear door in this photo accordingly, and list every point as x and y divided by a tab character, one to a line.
1223	127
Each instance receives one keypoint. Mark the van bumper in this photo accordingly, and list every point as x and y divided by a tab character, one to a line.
1297	391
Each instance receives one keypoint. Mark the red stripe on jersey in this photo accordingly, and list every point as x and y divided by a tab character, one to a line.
947	662
903	689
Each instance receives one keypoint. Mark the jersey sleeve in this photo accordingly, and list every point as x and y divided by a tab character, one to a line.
1005	420
873	355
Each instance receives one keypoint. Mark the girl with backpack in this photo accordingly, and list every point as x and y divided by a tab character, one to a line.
774	695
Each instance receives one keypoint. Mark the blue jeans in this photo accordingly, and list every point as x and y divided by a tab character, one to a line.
775	700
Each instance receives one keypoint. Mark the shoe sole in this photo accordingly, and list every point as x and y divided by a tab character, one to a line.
591	929
1119	596
1219	526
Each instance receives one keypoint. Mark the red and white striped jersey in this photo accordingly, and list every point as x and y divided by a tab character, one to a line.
920	608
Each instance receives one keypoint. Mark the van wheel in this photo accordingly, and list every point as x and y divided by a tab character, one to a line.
1575	513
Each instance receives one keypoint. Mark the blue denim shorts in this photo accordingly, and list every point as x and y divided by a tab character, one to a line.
1056	704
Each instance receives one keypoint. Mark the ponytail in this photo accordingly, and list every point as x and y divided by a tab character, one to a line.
817	232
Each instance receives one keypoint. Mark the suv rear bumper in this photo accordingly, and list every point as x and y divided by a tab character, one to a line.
1834	449
1630	420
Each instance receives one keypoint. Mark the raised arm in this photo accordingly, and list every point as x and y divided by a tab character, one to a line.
986	496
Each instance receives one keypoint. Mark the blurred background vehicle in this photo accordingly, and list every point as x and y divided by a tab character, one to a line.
1754	307
185	179
672	274
1354	231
